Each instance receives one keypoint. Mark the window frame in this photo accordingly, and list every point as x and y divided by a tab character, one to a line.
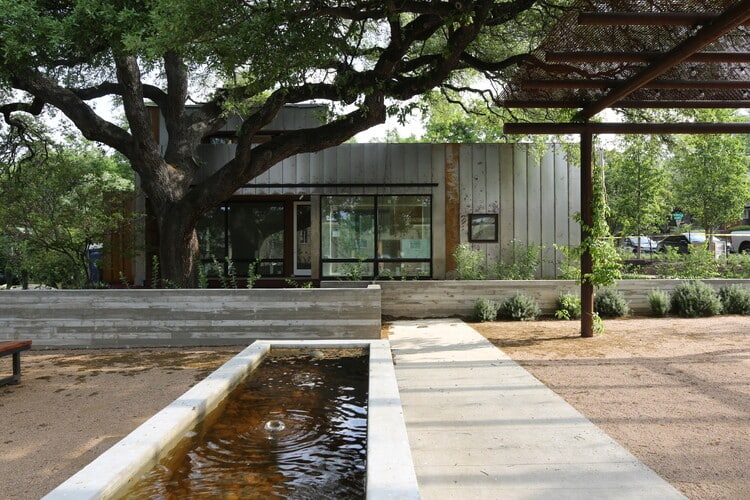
479	221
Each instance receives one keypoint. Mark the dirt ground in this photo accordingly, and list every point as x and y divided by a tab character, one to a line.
675	392
71	406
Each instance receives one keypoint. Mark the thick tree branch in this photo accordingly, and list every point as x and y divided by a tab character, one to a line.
91	125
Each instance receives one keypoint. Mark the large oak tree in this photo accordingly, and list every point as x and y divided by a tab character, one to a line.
246	58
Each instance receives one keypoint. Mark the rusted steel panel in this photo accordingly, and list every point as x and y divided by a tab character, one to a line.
452	204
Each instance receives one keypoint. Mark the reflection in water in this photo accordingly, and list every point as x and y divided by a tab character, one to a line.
297	429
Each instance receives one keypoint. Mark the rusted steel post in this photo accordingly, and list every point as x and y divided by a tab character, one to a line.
587	218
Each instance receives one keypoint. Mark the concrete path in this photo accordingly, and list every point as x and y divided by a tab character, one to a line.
482	427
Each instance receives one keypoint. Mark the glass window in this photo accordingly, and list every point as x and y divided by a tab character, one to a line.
302	243
243	234
348	227
256	231
404	227
211	231
384	236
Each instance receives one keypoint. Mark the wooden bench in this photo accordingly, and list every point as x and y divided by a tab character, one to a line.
14	348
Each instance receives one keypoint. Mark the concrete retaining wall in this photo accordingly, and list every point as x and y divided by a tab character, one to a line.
123	318
442	299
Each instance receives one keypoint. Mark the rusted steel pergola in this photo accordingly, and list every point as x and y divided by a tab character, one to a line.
630	54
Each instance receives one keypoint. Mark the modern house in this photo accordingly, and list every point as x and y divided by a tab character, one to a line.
387	211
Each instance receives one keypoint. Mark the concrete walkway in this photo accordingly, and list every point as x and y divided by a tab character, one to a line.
482	427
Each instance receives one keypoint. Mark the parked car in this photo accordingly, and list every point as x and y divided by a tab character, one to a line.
681	242
646	244
741	241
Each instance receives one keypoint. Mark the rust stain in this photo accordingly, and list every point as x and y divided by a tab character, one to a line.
452	205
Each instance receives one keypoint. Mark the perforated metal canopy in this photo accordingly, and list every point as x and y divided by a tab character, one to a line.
633	54
639	54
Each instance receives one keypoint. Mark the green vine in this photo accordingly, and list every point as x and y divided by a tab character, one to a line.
607	266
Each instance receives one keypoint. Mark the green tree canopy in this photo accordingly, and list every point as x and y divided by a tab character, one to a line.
711	174
249	59
54	206
637	184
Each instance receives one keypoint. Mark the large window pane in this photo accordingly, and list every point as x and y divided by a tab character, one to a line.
404	224
211	234
348	227
256	231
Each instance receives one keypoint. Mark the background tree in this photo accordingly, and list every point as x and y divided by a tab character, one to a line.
466	121
242	58
637	184
55	207
711	175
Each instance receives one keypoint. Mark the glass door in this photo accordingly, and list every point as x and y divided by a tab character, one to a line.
302	244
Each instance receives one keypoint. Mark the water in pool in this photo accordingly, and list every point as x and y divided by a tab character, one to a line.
297	428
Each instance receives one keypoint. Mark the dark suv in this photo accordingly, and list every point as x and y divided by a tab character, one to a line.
681	242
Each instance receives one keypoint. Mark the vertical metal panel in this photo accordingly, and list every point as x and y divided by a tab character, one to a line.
357	165
492	189
424	164
289	169
466	186
341	170
316	167
506	194
562	208
303	169
533	198
408	163
574	203
520	215
378	158
330	170
452	204
397	162
548	213
276	176
478	178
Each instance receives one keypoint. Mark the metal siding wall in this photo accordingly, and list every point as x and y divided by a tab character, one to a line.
533	198
530	194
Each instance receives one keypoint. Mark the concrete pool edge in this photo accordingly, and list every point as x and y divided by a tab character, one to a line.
390	471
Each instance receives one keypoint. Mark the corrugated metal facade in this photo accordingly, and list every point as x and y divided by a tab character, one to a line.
534	193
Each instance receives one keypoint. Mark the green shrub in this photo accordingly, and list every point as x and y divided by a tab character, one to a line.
735	265
485	310
469	263
519	307
698	263
735	299
568	306
521	261
610	303
658	300
694	299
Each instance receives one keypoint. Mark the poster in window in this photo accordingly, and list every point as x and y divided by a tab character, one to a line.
483	227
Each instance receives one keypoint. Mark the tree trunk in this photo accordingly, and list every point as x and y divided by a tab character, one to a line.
178	246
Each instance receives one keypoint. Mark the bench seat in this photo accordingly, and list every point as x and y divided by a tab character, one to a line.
13	348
